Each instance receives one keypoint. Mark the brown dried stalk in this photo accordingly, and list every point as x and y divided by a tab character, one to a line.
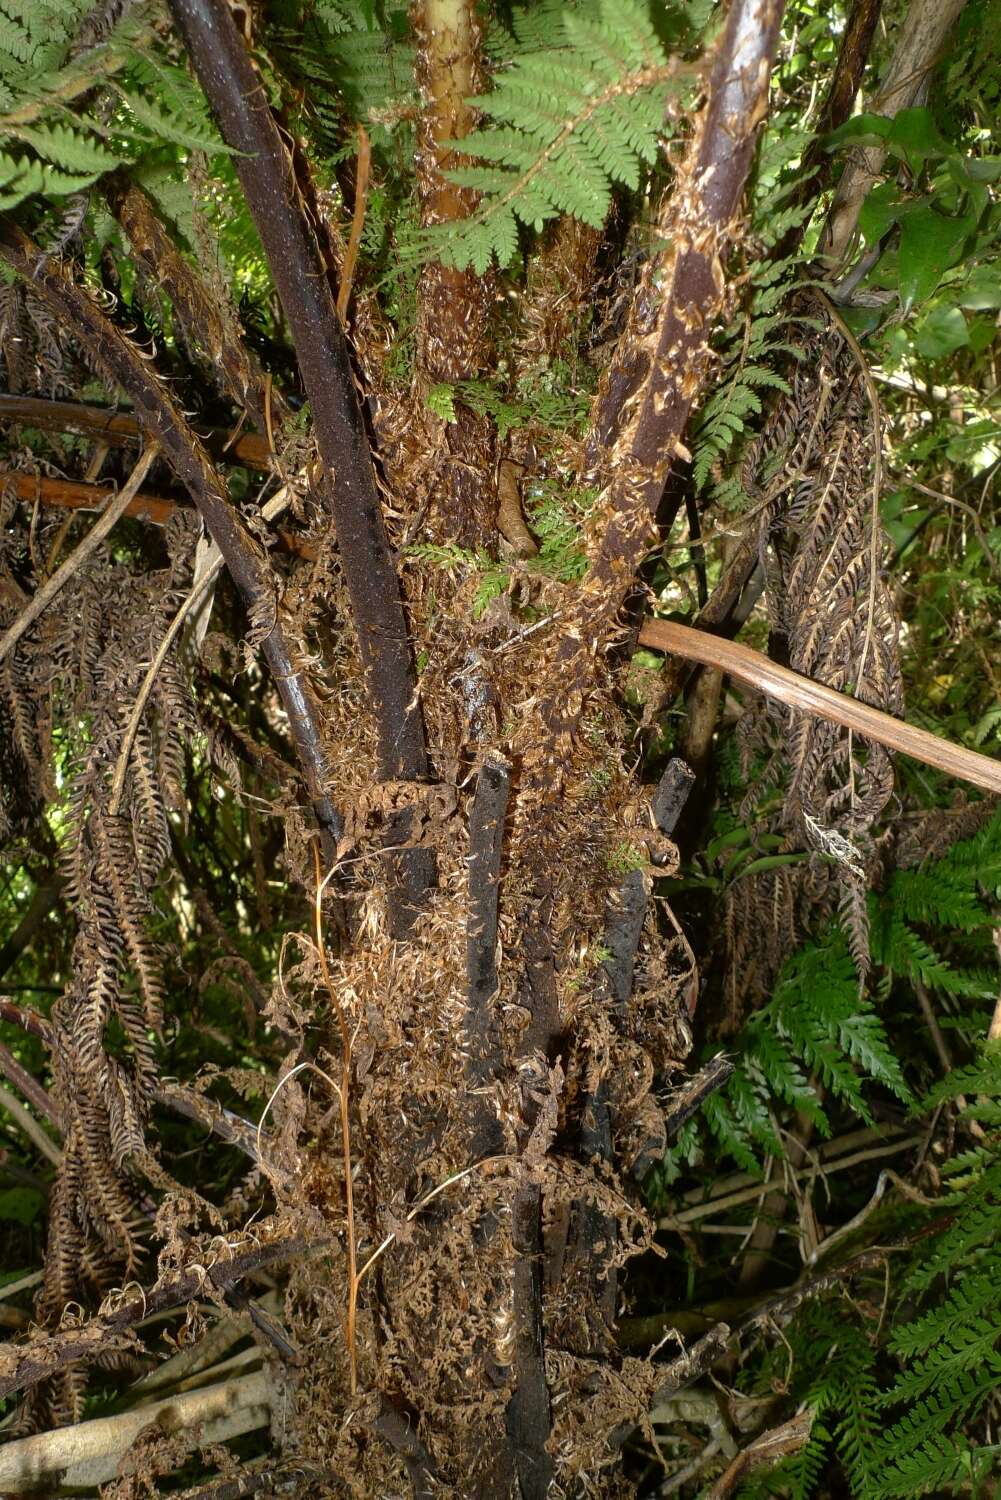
118	429
29	1087
37	489
769	1448
357	223
922	35
166	424
811	697
853	54
29	1125
344	1104
30	1020
95	536
88	1453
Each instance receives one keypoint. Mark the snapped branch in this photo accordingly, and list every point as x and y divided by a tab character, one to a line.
810	697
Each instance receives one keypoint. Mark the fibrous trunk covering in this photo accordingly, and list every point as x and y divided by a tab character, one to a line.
482	997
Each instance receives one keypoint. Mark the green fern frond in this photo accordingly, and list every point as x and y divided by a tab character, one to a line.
934	1466
748	349
983	1076
975	1227
774	1067
921	1454
70	150
733	1138
195	132
951	1348
815	1024
41	83
374	67
818	1009
856	1432
751	1111
935	899
16	42
18	180
580	107
959	1334
903	951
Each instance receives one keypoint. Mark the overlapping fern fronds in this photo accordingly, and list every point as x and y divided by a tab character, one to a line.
944	1343
81	92
815	1034
899	1384
579	107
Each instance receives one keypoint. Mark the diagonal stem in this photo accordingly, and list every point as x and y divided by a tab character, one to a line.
662	358
807	696
239	102
101	528
167	426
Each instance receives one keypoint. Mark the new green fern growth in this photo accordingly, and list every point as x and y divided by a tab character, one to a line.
815	1032
580	106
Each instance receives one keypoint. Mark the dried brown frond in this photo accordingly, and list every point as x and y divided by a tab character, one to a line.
814	475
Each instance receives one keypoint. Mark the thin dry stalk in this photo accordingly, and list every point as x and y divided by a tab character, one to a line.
357	223
213	568
344	1101
128	739
95	536
30	1126
422	1203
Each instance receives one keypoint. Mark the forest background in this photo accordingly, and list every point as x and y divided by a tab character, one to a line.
470	1024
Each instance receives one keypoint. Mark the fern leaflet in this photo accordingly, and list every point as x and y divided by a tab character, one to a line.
568	120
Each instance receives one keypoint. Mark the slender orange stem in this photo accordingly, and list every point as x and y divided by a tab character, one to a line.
357	223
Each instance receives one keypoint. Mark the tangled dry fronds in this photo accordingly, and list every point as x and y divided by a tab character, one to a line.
814	478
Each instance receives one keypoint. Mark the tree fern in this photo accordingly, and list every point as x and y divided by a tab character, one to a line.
580	106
